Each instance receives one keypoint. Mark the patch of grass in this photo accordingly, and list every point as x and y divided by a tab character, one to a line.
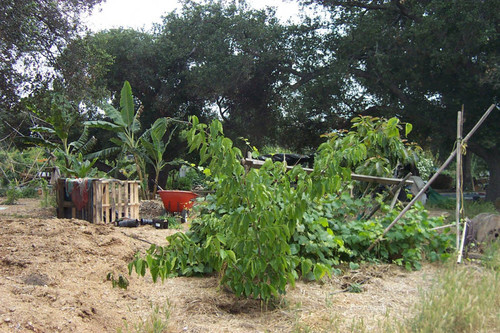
473	208
462	299
491	257
156	322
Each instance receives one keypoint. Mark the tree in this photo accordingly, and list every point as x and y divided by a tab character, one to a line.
32	34
30	31
423	60
229	59
211	60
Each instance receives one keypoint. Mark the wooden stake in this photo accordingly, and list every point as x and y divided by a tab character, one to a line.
461	250
396	188
458	191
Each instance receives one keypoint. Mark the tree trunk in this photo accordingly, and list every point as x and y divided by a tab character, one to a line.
467	165
492	158
493	190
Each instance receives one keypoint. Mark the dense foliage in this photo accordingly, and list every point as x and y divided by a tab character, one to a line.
32	35
274	83
422	61
264	228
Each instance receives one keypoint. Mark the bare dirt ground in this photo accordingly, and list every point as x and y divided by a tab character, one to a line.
53	279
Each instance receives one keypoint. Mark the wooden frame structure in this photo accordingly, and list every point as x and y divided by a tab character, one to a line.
97	200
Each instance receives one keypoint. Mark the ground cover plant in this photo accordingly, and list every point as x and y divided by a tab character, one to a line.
264	228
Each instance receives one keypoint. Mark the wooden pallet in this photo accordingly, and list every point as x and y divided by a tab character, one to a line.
97	200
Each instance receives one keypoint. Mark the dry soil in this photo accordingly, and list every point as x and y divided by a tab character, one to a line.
53	279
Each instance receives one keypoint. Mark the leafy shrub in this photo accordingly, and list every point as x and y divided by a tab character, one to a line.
426	165
19	167
193	177
263	229
29	191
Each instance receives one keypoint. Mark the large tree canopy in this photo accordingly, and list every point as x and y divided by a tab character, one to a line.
287	84
423	60
210	60
32	35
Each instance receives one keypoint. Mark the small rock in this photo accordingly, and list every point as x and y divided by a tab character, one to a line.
7	320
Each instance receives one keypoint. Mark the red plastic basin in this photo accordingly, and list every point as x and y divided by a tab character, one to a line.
177	201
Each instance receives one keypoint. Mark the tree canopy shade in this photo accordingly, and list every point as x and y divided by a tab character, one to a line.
226	61
32	33
423	60
287	84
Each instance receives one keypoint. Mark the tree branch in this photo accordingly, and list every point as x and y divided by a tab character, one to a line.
395	5
393	88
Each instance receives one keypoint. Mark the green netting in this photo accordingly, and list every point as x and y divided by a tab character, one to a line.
436	199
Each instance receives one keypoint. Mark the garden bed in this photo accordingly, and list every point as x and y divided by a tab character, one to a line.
53	278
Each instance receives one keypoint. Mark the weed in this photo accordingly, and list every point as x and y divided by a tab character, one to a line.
355	288
48	200
12	196
173	222
156	322
473	208
121	282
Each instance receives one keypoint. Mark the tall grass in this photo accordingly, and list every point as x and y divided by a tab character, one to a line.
462	299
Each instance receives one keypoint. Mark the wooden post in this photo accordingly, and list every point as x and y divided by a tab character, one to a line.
60	190
461	248
458	191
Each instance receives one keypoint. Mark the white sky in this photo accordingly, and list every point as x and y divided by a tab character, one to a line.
143	13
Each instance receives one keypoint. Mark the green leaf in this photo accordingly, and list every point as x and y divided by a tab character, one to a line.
353	266
319	272
38	142
323	221
408	128
127	104
106	125
306	266
41	129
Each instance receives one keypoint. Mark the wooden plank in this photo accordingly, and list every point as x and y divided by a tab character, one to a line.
112	202
257	164
97	201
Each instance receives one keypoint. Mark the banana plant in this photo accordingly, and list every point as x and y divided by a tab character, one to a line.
81	167
155	149
126	125
61	120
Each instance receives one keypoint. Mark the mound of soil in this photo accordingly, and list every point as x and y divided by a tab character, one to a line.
53	279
